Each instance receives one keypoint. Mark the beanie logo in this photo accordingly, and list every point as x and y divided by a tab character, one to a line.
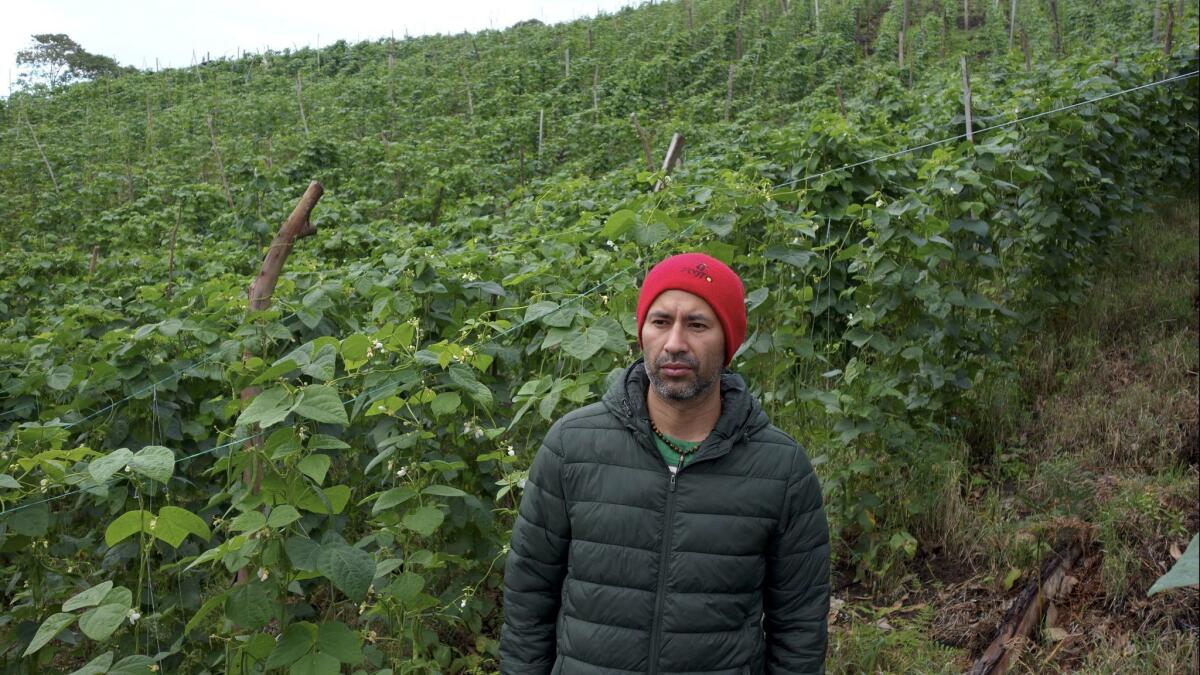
700	271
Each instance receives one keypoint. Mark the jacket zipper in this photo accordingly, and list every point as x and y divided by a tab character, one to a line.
661	594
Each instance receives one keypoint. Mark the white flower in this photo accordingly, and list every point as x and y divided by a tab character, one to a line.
378	345
511	452
462	604
133	616
263	574
879	202
521	483
610	244
401	473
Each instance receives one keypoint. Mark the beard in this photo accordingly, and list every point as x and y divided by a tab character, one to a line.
685	388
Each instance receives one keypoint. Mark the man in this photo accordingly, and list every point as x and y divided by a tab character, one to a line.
670	528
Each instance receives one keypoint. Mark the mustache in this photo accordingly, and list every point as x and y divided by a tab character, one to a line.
684	359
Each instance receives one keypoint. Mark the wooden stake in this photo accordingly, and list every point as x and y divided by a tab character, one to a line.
567	63
817	14
644	138
673	158
1025	48
729	93
171	259
49	169
522	151
95	258
691	22
300	100
841	101
296	227
391	67
1170	31
737	31
1012	23
1157	20
1058	48
470	99
900	42
595	92
589	38
149	126
966	78
541	130
966	14
212	134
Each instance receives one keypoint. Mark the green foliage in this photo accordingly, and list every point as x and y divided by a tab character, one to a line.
465	287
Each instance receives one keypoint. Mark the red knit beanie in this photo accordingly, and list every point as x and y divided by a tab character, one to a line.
706	277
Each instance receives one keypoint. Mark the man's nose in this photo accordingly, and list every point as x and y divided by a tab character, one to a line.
676	339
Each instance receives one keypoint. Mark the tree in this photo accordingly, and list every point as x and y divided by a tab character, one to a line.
55	59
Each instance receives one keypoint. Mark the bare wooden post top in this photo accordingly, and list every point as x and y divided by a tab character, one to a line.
672	159
297	226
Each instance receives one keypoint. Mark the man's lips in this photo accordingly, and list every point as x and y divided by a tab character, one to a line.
675	369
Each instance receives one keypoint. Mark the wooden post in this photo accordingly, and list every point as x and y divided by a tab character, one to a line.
522	151
672	159
817	14
900	42
596	92
36	142
300	100
212	134
841	101
149	126
296	227
171	259
1025	48
966	15
644	137
966	78
541	130
691	21
729	93
1012	23
95	258
470	99
1058	48
1169	32
1157	20
391	67
567	63
589	38
737	31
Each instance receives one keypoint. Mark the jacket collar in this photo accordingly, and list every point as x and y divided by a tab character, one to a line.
741	415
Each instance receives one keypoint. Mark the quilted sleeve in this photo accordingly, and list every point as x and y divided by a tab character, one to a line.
796	594
535	567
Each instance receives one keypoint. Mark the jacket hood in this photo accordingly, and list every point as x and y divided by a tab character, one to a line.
741	414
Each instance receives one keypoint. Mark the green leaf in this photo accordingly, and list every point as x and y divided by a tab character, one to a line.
465	379
89	598
100	622
32	521
282	516
132	665
443	491
269	407
103	468
8	482
406	587
52	626
60	378
1185	571
297	639
337	640
323	365
119	596
393	497
337	496
250	605
539	309
618	224
316	664
97	666
354	351
350	569
249	521
173	518
315	467
584	345
320	403
154	462
205	609
423	520
303	552
127	525
445	403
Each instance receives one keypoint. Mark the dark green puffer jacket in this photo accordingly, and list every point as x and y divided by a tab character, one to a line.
616	566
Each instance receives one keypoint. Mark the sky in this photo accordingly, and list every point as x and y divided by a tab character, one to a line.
136	32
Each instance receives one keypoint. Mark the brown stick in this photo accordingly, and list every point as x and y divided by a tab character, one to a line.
300	100
541	130
841	101
1058	48
1170	31
672	159
171	259
729	93
95	258
900	42
470	99
1025	48
297	226
737	31
966	78
1027	611
966	14
392	66
1012	23
41	152
596	93
212	134
567	63
644	137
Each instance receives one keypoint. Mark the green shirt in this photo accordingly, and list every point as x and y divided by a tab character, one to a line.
670	456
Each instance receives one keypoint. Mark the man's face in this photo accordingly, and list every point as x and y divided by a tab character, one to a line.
683	345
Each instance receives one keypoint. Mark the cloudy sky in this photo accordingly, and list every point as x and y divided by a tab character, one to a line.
136	32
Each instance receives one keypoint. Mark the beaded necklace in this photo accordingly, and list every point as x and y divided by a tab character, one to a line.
663	437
